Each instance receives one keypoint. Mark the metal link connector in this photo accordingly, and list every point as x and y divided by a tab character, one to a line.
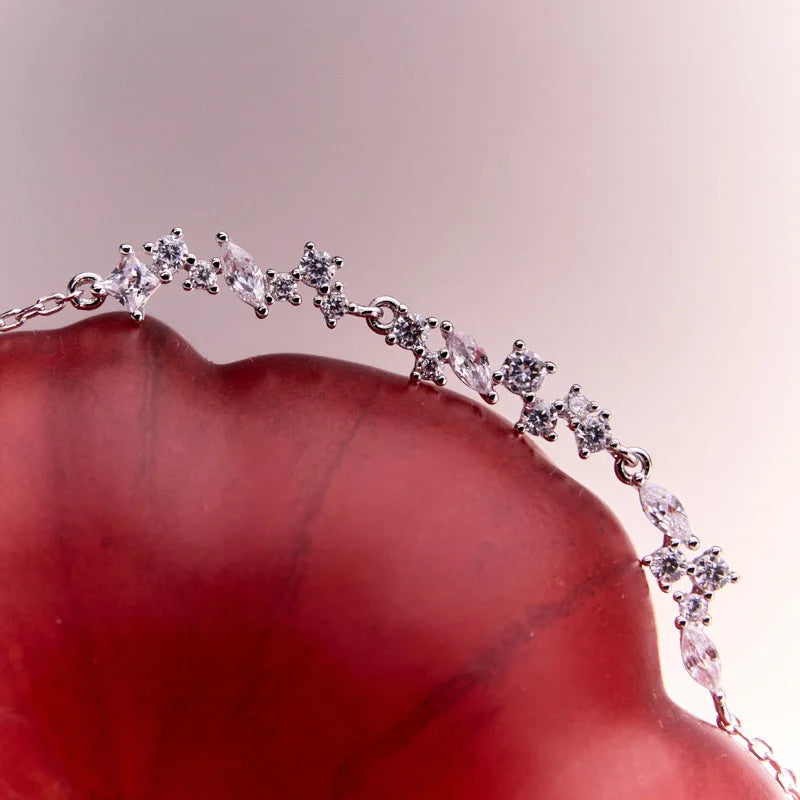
379	324
632	465
53	303
521	373
365	312
77	286
756	746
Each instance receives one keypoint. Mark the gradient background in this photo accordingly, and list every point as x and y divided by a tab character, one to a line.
619	183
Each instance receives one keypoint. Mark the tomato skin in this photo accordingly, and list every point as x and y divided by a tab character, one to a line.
293	577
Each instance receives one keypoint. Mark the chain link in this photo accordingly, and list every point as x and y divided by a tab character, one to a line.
763	751
756	746
43	307
53	303
632	466
384	311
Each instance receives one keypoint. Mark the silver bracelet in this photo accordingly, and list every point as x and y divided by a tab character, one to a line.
676	562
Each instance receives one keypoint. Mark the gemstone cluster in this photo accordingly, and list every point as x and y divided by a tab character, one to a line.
674	564
694	579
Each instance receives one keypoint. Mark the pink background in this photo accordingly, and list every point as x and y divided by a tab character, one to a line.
617	182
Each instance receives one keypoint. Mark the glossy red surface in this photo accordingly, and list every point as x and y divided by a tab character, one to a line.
299	578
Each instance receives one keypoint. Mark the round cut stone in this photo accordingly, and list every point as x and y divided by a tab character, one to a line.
577	406
410	330
243	275
169	253
202	275
701	658
469	362
665	511
317	268
668	565
539	418
694	607
429	366
593	433
283	286
334	307
524	372
711	573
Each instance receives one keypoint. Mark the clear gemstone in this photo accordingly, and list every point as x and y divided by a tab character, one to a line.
131	283
410	330
317	268
429	366
202	275
539	418
524	372
577	406
283	286
469	362
243	275
334	307
665	511
701	658
668	565
711	572
694	607
169	253
593	433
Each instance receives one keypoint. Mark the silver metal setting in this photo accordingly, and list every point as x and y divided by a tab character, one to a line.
522	373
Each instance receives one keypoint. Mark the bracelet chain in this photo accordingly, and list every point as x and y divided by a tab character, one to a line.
132	283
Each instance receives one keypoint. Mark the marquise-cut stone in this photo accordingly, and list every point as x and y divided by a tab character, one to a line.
701	658
469	362
711	572
131	283
524	371
243	275
665	511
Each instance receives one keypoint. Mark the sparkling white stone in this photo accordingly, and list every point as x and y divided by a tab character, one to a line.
665	511
317	267
283	286
243	275
169	253
701	658
523	372
667	564
711	572
410	330
469	361
132	283
593	434
428	367
577	406
539	418
202	275
333	307
693	607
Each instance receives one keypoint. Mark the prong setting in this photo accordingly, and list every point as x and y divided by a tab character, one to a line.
522	373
